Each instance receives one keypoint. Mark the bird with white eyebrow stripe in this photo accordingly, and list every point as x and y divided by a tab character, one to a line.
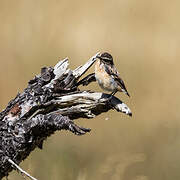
107	75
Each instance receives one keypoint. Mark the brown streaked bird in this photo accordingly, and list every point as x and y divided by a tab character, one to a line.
107	75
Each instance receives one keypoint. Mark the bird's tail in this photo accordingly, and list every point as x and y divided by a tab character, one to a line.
126	92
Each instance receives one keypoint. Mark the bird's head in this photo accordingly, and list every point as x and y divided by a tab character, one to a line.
106	58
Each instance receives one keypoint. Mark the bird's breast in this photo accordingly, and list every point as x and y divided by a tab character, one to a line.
105	81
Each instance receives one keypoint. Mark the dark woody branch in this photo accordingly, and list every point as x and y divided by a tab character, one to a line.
88	79
51	102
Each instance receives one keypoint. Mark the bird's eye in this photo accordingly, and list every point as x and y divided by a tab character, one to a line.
107	59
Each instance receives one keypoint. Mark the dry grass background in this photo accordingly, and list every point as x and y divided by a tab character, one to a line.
144	38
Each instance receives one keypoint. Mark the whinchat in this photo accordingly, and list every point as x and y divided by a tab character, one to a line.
107	75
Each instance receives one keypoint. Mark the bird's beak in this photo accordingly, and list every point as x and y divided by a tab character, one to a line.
98	56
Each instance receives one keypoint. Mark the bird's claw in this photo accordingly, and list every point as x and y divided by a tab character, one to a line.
106	99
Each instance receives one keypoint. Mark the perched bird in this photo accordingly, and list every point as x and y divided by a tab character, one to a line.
107	76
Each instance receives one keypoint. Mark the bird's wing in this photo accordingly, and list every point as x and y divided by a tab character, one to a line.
111	70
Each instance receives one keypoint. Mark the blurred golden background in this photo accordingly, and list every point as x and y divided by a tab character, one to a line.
144	39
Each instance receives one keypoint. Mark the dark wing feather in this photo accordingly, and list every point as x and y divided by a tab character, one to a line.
113	72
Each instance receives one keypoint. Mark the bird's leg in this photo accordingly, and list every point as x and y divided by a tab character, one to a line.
113	93
108	97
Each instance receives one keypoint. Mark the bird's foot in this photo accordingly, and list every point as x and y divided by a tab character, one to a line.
106	99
